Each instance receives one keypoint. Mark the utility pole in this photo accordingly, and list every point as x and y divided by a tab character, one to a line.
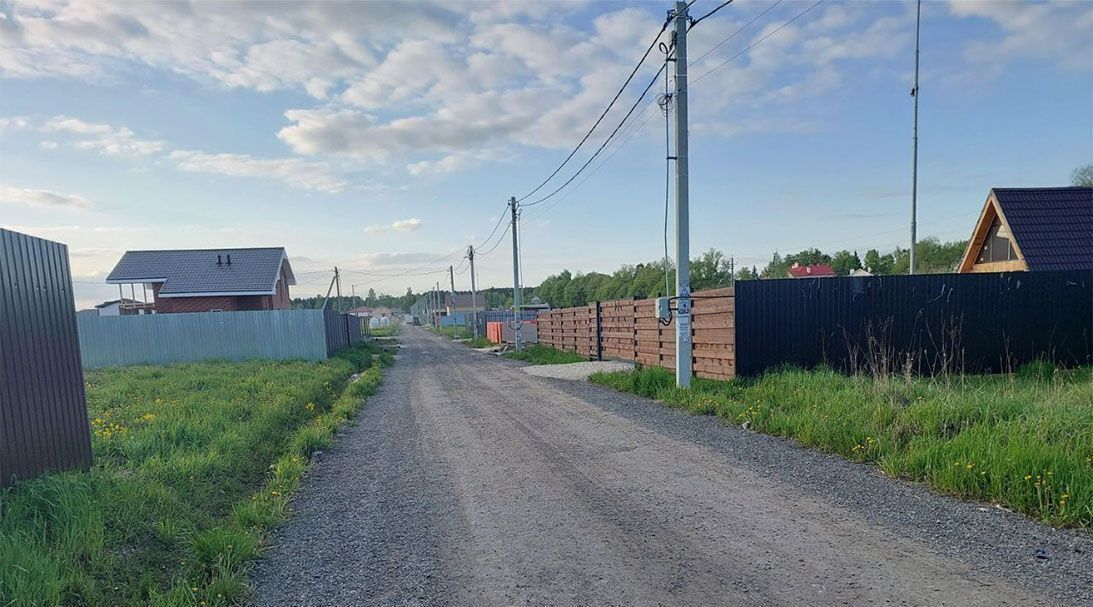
914	162
683	259
338	281
436	298
516	322
474	294
451	277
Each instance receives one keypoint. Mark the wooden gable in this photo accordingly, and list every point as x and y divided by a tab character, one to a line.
992	225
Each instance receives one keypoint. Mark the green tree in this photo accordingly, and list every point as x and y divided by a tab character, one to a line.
845	262
1082	176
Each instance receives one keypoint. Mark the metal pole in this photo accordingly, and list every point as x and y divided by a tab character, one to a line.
515	275
338	281
914	163
451	277
474	295
683	272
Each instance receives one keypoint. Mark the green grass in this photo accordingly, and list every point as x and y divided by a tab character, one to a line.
455	332
388	331
1023	441
543	355
193	465
480	342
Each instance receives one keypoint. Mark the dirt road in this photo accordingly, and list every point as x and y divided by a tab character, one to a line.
469	482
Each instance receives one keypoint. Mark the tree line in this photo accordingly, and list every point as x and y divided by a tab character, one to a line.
713	270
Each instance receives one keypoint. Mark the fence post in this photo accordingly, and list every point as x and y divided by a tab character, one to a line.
634	327
599	333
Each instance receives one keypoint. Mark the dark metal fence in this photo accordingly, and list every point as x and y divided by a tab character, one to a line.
927	323
43	407
342	330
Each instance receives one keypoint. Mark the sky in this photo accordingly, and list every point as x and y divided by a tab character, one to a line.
384	138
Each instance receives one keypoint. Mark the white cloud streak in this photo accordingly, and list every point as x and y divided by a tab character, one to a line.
42	198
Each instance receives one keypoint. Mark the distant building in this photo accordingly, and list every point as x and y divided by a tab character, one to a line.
1031	229
819	270
535	304
461	302
205	280
860	272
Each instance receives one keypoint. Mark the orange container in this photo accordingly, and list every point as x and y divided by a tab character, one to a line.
493	331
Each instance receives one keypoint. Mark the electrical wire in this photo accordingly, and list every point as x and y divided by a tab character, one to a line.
699	20
735	33
665	106
495	226
757	42
602	115
629	113
499	241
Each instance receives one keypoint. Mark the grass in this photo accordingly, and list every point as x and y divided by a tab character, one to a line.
390	330
193	465
543	355
455	332
1024	441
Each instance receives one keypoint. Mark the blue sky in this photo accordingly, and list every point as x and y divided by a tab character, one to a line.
380	137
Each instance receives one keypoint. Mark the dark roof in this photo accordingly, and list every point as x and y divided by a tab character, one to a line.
1053	226
462	301
195	272
123	300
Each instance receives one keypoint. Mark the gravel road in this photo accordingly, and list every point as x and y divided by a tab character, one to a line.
469	482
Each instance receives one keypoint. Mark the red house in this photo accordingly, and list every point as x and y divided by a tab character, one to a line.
204	280
819	270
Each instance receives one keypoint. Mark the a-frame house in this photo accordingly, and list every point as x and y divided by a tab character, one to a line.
1032	229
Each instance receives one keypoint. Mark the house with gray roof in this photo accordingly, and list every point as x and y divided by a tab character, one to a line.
1032	229
204	280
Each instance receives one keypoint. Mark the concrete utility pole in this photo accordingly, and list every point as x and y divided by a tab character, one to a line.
338	281
474	294
436	296
683	259
516	323
451	277
914	162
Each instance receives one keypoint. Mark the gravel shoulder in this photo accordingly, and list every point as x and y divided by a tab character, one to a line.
469	481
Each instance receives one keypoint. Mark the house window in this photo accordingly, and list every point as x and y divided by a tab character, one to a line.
998	246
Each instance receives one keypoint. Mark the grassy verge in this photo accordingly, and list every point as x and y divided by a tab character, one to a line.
388	331
455	332
193	464
1023	441
543	355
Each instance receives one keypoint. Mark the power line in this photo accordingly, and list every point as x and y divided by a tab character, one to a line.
697	21
737	32
495	245
633	107
500	218
603	115
757	42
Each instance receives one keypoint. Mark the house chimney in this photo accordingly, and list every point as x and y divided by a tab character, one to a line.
219	261
229	259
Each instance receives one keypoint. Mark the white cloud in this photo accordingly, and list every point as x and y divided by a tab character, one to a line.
102	138
11	123
293	172
42	198
403	225
1055	31
406	225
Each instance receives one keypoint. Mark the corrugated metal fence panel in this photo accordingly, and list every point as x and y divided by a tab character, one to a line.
107	341
972	322
43	407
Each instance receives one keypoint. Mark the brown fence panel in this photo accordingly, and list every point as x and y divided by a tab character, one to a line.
43	407
629	330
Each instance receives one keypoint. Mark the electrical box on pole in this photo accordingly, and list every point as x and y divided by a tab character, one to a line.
683	278
664	311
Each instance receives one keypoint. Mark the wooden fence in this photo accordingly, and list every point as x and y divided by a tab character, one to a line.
627	329
43	407
169	338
